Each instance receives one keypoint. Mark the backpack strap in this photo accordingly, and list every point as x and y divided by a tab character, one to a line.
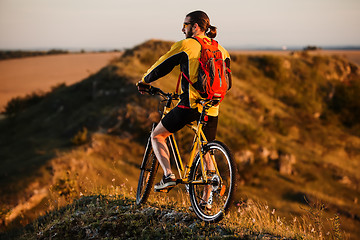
206	43
178	82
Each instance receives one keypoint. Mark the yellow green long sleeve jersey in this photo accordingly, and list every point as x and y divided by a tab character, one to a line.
185	53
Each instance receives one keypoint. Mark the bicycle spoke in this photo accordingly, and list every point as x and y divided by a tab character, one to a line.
211	201
147	176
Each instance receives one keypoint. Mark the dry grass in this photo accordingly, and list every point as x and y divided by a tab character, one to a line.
111	212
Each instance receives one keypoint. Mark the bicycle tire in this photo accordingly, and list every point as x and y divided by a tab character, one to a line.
148	171
220	201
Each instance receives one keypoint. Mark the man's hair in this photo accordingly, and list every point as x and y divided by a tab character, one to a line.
202	19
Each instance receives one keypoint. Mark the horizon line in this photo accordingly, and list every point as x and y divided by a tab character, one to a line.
229	47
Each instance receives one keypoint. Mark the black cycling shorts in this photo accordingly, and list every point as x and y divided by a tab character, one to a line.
178	117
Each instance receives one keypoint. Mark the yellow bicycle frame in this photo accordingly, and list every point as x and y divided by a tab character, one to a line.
198	145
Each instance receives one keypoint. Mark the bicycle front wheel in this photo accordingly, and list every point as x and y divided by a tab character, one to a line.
211	201
148	171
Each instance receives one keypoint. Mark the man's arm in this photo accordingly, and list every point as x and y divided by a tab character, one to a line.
165	64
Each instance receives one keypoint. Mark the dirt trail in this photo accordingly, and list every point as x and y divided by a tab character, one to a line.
19	77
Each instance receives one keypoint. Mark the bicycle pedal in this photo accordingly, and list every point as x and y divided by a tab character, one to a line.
165	190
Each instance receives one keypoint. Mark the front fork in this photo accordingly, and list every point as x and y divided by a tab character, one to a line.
148	148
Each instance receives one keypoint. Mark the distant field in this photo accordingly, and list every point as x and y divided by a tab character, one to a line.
19	77
353	56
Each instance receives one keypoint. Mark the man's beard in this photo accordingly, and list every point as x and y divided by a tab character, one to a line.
189	33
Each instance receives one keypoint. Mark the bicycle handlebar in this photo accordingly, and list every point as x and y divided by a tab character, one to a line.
173	96
146	88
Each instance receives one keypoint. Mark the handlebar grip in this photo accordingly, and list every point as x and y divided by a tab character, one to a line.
147	88
154	90
143	86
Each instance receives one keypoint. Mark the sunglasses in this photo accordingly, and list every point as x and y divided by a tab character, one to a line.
185	24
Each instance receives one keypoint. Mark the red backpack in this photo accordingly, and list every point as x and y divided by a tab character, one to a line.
213	78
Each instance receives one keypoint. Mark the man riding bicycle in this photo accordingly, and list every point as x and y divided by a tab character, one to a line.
185	53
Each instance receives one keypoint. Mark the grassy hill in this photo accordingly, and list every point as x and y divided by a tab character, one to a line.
292	123
117	217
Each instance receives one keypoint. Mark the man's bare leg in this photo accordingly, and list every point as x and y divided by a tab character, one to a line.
209	166
161	150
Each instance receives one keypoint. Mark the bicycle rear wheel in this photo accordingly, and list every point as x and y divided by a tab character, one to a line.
148	171
221	186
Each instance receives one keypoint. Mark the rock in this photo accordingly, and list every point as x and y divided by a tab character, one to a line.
274	155
345	180
286	162
264	154
245	157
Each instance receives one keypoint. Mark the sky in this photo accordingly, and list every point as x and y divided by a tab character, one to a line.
120	24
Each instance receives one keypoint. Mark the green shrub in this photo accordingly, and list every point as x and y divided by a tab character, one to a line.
81	137
250	134
270	65
346	103
18	104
